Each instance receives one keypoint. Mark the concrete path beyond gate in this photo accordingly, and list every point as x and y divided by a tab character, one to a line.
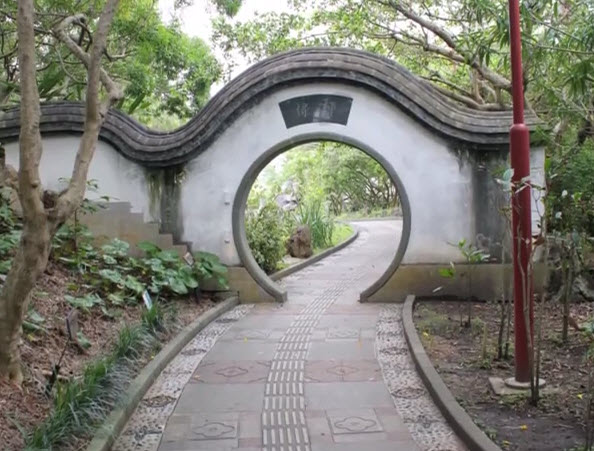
321	372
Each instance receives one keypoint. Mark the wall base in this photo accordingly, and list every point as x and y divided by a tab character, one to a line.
248	290
423	280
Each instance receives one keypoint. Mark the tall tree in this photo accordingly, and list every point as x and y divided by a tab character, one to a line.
86	38
43	214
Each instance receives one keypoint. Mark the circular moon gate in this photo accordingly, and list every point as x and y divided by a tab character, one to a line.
239	207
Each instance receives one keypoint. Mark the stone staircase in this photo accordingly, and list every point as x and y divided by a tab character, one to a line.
116	220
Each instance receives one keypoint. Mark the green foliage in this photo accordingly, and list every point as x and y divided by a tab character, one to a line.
346	178
228	7
110	273
325	179
128	339
449	272
341	233
152	318
462	47
115	249
209	267
320	224
471	253
85	303
571	194
74	408
8	242
166	74
266	236
82	340
34	316
33	322
108	276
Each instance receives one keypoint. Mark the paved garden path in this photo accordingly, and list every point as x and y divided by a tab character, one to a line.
321	372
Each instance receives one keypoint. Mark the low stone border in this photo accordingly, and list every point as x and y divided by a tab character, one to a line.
314	259
114	424
459	420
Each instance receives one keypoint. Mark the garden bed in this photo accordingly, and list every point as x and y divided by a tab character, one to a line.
45	338
458	354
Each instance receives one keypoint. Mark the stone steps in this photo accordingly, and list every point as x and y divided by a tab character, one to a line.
116	220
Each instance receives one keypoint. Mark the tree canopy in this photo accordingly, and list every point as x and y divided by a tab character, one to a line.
461	46
344	177
165	73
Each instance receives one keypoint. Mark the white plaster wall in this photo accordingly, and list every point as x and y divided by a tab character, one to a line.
117	177
438	183
438	186
537	178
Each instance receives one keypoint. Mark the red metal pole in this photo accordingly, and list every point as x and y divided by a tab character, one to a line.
521	202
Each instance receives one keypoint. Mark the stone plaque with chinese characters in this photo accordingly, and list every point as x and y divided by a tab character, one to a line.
316	108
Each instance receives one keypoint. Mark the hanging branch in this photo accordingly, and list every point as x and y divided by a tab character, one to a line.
497	80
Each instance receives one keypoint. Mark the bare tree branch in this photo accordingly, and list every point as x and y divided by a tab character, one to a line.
61	32
436	29
437	78
468	101
496	79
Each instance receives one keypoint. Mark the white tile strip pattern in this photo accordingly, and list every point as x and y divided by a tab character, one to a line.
283	416
427	426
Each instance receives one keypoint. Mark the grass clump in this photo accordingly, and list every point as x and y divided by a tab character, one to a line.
342	232
434	323
80	405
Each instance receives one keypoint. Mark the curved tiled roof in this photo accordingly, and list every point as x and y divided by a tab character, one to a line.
479	130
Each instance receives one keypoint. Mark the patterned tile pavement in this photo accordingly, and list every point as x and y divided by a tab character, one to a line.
321	372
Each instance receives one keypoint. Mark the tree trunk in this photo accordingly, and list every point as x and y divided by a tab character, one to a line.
27	265
40	221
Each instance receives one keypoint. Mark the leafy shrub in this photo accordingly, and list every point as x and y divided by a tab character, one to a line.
85	302
166	270
110	273
266	236
572	191
209	267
